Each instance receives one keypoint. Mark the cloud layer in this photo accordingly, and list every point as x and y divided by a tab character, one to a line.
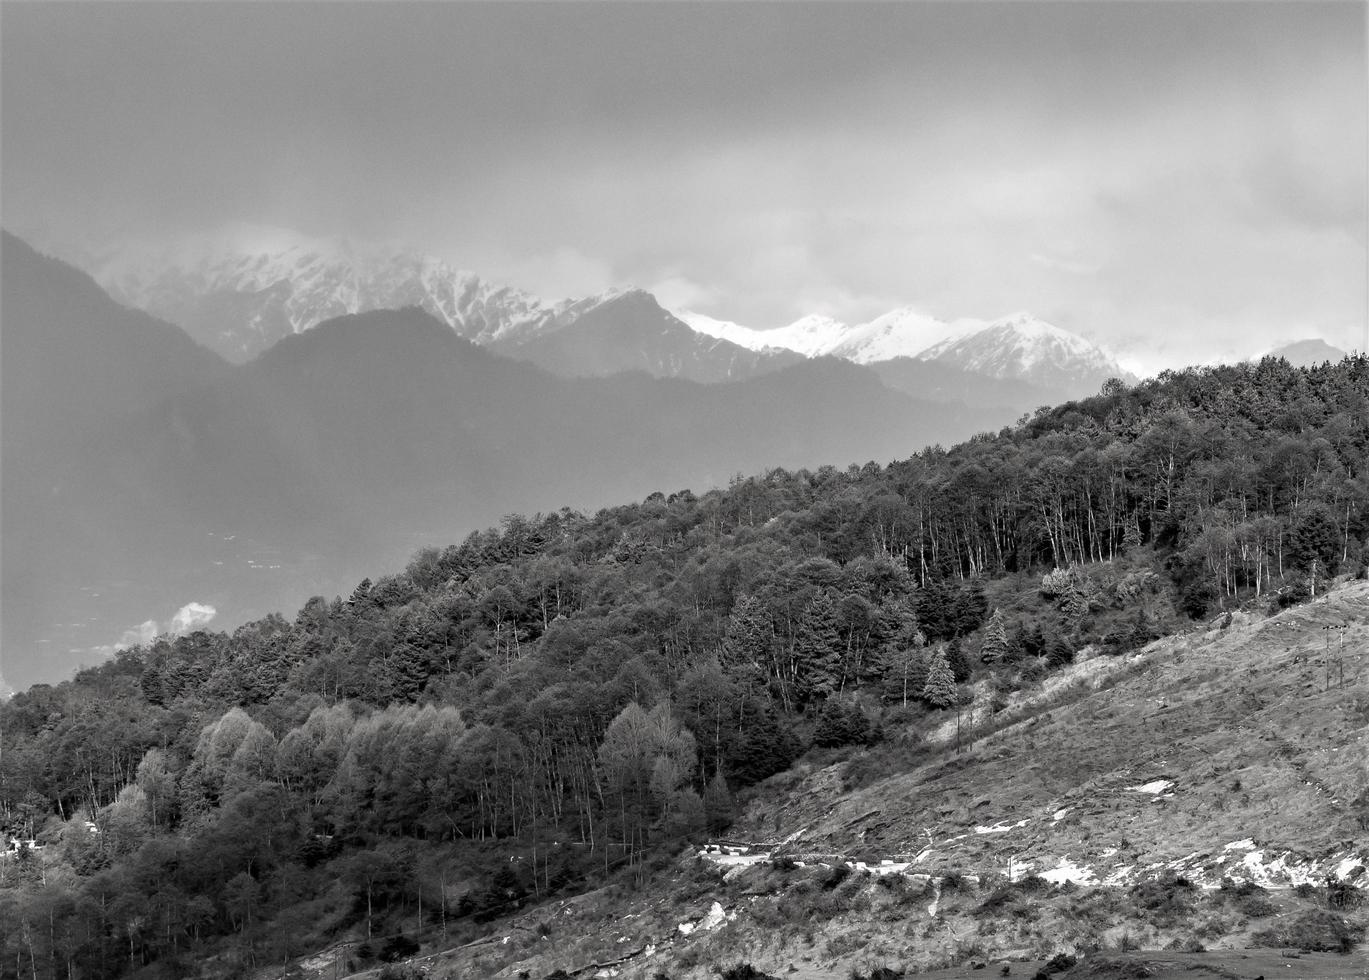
1179	180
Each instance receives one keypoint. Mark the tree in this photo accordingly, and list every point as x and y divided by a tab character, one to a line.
957	660
646	757
995	644
939	689
817	649
747	640
719	806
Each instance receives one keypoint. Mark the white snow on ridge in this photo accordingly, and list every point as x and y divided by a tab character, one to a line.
904	332
1155	787
1016	346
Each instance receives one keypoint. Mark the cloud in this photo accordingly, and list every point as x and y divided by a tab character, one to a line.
188	618
191	616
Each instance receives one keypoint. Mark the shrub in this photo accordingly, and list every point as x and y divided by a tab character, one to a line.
1318	930
744	971
834	876
1059	963
397	948
877	973
842	724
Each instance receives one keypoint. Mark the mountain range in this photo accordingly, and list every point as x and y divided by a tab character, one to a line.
239	292
291	438
144	472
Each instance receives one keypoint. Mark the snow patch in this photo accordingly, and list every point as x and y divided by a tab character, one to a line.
1067	870
1002	827
1155	787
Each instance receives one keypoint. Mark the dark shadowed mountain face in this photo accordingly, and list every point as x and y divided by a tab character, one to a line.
76	369
142	473
631	332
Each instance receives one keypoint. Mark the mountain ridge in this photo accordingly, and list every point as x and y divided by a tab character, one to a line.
242	292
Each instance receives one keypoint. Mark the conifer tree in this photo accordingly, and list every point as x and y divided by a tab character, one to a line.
817	648
746	642
939	690
994	646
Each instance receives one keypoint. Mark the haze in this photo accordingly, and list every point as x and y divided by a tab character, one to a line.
1181	182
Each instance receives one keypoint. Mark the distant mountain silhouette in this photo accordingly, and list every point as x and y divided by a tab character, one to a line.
1308	353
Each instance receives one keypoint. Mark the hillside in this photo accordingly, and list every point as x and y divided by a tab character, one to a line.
556	713
1217	757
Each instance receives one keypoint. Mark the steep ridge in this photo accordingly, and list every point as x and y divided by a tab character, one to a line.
629	331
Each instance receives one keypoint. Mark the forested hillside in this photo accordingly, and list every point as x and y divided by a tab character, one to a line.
567	695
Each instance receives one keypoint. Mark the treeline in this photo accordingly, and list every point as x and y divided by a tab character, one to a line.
557	697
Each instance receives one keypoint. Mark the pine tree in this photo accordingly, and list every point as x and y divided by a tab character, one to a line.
1058	651
940	690
995	644
817	648
746	642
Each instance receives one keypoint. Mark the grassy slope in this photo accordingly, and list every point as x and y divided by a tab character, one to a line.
1237	718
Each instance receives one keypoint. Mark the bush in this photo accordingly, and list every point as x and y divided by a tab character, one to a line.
397	948
842	724
1059	963
1319	930
877	973
834	876
744	971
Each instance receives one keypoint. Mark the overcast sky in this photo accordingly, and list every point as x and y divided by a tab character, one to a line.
1178	180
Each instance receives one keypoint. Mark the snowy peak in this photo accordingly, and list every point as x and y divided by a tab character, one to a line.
1025	348
1019	347
905	332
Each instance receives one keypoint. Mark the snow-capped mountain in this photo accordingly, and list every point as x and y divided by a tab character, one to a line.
240	291
904	332
1019	347
1024	348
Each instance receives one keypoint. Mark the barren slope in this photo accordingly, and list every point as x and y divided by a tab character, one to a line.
1220	751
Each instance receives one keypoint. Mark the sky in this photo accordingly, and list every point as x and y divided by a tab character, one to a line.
1178	181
